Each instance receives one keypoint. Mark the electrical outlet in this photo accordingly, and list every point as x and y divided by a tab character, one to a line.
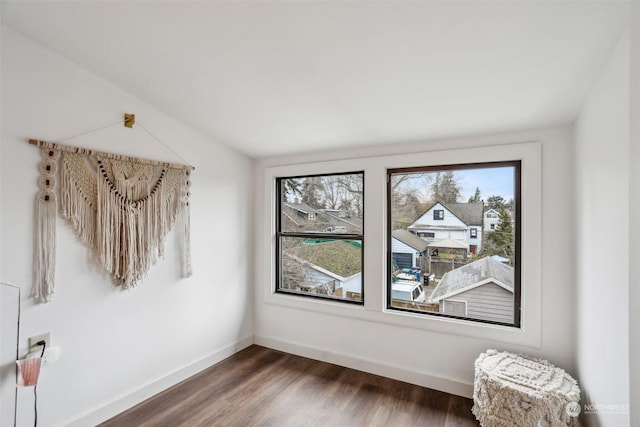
33	341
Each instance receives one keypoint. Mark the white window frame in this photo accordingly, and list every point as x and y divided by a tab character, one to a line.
375	274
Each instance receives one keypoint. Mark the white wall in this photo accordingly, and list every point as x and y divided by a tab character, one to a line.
602	252
117	347
433	359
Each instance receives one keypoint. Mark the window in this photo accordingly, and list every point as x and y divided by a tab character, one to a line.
479	282
320	236
493	226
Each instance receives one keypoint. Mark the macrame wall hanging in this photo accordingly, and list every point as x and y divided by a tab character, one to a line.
120	207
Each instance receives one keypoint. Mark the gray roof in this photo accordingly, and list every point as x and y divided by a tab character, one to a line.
410	239
303	207
469	213
333	219
460	279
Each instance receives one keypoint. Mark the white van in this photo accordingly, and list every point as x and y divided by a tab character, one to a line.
408	290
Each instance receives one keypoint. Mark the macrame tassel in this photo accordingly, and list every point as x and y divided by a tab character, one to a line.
45	245
186	231
45	232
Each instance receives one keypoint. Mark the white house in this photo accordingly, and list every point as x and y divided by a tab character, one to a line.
462	222
491	219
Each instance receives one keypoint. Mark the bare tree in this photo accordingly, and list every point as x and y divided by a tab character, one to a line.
354	185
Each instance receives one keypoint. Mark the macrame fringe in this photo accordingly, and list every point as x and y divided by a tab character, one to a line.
76	206
45	233
45	246
121	209
185	188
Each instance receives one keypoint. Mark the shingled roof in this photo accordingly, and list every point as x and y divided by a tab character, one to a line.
469	213
484	270
410	239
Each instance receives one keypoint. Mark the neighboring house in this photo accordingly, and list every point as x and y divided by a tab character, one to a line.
462	222
316	269
406	248
300	216
492	218
338	221
340	213
482	290
300	211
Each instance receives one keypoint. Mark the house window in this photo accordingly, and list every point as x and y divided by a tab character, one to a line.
479	282
321	256
493	226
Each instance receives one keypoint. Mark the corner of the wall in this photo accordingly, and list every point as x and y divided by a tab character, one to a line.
121	404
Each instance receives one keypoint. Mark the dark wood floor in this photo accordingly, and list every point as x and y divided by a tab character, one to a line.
263	387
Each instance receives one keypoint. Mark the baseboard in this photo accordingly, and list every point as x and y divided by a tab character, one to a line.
397	373
123	403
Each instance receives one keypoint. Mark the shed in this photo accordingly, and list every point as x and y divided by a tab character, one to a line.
483	289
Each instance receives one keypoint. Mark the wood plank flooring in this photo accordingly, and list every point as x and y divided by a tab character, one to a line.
264	387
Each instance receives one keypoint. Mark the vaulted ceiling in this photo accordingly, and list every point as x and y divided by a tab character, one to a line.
276	77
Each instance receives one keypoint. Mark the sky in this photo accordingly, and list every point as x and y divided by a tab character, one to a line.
497	181
492	182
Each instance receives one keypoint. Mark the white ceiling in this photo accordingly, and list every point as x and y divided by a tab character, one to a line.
270	78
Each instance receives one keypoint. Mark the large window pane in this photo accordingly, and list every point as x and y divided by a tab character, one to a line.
322	204
322	267
320	236
454	241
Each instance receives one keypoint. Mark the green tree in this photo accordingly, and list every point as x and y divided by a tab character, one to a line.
476	196
501	240
445	188
497	202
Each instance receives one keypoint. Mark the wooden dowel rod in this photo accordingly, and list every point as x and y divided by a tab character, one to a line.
80	150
